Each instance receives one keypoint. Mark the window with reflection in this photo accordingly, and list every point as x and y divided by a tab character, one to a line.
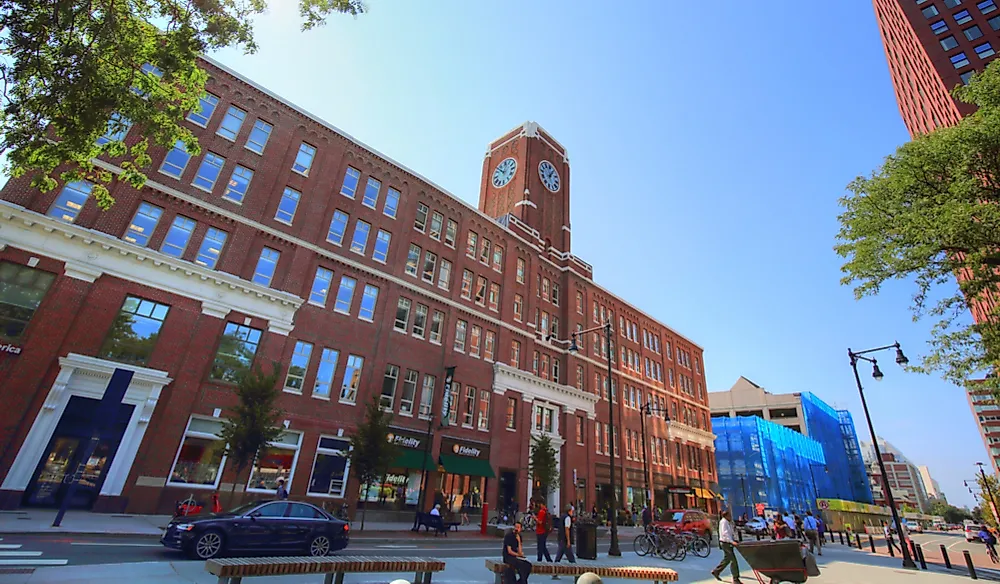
21	291
135	330
236	352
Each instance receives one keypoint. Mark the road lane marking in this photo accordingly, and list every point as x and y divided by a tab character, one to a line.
464	549
10	546
27	562
111	544
9	554
397	547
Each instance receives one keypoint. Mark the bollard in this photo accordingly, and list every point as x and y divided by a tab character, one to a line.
871	542
739	536
968	562
842	538
857	539
920	556
944	553
913	550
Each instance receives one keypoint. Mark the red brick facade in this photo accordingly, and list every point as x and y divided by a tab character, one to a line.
95	270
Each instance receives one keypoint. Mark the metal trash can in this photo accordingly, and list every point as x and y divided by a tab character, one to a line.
586	541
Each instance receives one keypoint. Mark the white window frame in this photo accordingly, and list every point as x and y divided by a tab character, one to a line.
328	452
177	455
291	471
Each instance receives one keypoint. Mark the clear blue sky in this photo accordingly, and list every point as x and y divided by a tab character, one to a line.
708	145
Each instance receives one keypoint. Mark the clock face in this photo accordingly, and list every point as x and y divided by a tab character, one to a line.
504	172
549	175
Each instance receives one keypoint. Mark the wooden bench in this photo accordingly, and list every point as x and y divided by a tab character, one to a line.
435	522
233	570
656	575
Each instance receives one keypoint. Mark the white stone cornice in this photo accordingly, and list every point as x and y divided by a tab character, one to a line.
89	254
682	432
506	377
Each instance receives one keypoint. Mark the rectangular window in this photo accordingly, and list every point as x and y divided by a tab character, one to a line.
985	50
288	205
370	198
444	275
467	284
420	321
297	368
324	375
930	11
368	301
511	413
489	345
391	206
437	224
117	128
545	289
277	461
534	363
134	331
454	405
389	380
481	283
231	124
987	6
484	251
382	241
972	33
472	244
475	340
304	159
211	247
460	328
437	323
209	171
518	307
952	3
555	369
470	406
580	378
402	314
238	184
206	107
555	294
520	271
948	43
345	295
498	258
427	397
199	460
236	352
144	223
959	60
266	264
484	410
70	201
338	226
321	286
430	265
968	74
579	429
178	236
515	354
420	222
259	135
349	187
352	379
961	17
359	243
413	260
994	22
450	233
494	304
330	468
175	161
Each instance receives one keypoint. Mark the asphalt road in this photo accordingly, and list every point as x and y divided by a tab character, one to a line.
25	551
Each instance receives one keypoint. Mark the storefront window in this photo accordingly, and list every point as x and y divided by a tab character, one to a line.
21	291
484	410
199	460
134	331
330	468
277	462
395	489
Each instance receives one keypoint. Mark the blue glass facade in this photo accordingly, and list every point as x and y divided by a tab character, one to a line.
845	476
763	462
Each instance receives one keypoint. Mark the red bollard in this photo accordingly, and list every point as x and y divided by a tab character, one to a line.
486	512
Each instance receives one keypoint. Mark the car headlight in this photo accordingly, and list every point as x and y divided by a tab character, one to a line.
185	527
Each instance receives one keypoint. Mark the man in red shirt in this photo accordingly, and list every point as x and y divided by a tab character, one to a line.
542	528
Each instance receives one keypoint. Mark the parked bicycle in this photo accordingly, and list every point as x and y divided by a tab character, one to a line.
660	541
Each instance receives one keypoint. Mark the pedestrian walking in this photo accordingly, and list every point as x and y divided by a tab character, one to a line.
513	554
811	528
727	541
647	517
566	536
281	492
543	525
888	538
822	532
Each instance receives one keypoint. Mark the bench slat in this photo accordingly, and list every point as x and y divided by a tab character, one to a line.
295	565
604	571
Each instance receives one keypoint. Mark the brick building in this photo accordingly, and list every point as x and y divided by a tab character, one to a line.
987	413
903	477
289	241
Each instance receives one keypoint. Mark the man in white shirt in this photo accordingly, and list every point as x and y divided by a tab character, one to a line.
727	540
436	511
811	527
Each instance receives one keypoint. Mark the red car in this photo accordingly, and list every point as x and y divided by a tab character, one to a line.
691	520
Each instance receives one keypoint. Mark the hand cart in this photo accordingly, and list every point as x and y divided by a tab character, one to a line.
776	561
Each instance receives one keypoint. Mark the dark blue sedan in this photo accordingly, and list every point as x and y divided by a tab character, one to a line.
264	527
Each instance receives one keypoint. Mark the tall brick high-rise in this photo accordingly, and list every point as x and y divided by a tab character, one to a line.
288	241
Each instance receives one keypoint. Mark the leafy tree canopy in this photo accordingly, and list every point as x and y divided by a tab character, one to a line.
67	67
930	215
950	513
254	423
544	464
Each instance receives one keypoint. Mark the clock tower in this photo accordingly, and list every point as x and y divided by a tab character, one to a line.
526	175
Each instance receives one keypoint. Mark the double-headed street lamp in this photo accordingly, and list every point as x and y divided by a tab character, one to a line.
614	550
901	360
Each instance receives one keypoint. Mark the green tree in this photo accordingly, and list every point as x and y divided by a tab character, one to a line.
371	452
929	214
254	423
543	464
67	66
987	486
950	513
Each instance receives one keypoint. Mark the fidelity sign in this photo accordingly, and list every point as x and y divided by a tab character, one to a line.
466	450
406	441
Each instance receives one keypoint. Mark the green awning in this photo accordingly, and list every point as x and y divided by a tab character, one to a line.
409	458
467	466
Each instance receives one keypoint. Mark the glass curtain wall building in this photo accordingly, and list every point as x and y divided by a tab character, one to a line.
763	462
834	430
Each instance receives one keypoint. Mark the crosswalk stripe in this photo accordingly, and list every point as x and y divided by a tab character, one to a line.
20	554
10	546
30	562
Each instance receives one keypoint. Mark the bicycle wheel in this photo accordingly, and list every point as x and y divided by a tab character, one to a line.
701	548
493	519
641	545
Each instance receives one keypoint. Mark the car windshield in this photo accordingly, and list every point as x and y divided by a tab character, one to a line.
677	516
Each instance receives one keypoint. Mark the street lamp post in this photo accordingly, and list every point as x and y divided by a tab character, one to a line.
647	410
989	491
901	360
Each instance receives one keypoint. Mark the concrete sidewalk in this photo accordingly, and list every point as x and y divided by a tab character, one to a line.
838	566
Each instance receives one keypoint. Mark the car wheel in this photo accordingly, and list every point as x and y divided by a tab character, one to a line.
319	546
208	545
